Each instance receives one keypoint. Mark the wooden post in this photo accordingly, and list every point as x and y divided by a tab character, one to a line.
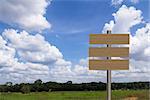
108	75
108	52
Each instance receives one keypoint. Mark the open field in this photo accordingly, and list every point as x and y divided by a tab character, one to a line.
78	95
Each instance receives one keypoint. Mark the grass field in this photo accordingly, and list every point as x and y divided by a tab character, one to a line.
78	95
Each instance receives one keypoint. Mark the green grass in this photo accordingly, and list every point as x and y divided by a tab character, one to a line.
77	95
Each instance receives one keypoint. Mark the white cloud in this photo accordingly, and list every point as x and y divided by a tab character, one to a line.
27	14
124	19
31	48
108	26
147	51
116	2
6	53
49	64
29	57
140	44
119	2
134	1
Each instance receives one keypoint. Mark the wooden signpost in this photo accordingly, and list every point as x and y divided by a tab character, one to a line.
99	54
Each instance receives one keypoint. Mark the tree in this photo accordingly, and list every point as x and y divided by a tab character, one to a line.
39	81
37	85
69	82
9	83
25	88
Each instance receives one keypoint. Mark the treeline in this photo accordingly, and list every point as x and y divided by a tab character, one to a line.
39	86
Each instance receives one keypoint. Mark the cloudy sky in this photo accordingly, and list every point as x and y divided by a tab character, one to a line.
48	40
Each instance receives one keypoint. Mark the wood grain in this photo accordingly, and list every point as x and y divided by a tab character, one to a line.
108	52
108	64
109	39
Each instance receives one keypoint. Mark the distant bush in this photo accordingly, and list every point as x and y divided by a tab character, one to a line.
25	89
39	86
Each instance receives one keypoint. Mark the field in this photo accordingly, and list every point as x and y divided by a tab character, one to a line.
78	95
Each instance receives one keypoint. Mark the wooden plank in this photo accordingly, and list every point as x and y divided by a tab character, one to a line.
108	52
108	64
109	39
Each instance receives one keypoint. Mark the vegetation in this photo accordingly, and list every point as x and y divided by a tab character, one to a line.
39	86
78	95
25	89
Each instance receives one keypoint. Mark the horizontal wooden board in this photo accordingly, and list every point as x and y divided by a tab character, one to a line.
108	64
108	52
109	39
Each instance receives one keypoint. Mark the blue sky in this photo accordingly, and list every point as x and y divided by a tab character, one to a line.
73	20
49	39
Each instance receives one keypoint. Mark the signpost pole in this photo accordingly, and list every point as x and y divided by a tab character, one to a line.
108	75
108	52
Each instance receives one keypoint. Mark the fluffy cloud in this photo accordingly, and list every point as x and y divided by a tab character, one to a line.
31	48
116	2
124	19
39	59
140	44
119	2
135	1
27	14
29	57
6	53
138	71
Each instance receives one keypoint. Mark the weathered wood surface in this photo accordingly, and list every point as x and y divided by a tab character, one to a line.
109	39
108	64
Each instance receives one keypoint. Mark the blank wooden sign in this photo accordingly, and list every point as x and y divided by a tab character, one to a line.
99	53
108	64
109	38
108	52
